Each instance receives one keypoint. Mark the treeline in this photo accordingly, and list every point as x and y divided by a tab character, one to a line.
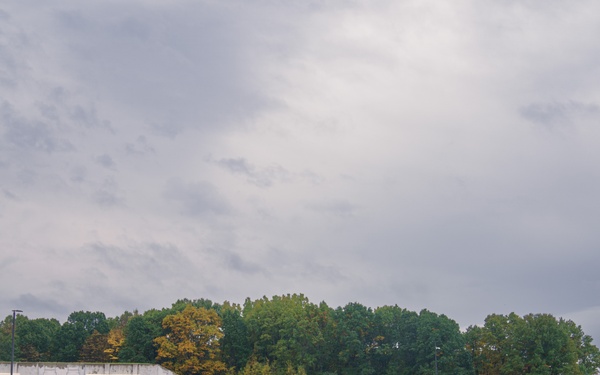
289	335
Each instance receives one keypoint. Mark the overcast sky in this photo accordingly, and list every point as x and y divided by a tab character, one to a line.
431	154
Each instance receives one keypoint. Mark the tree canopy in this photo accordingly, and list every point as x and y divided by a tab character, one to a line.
289	335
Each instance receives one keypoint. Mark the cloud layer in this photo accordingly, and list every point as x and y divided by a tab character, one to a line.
439	156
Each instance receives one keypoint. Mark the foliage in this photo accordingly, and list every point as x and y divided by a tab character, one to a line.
94	348
354	341
71	336
283	330
234	344
535	343
289	335
191	344
33	342
138	345
115	340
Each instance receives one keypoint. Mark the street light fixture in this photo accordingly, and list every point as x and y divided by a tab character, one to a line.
12	356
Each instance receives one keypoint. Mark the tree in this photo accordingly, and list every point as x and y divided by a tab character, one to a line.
138	345
353	342
94	348
71	336
140	333
120	321
116	336
6	337
115	340
191	344
395	330
234	344
492	345
35	339
254	367
439	336
283	331
533	344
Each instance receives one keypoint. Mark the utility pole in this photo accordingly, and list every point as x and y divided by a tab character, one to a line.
436	369
12	355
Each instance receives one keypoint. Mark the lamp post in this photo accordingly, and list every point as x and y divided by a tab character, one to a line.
12	355
436	369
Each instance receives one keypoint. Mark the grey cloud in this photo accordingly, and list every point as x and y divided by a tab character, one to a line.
328	273
7	262
27	176
86	117
132	27
10	195
108	298
49	111
160	54
140	146
106	198
239	165
78	173
238	263
46	307
8	66
379	220
108	195
61	106
72	19
58	95
264	177
167	128
557	113
32	135
106	161
196	199
292	268
14	40
410	290
146	260
337	207
113	256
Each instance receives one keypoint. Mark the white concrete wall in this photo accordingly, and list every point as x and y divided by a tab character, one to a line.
83	369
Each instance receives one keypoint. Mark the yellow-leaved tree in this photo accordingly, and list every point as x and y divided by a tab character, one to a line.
115	340
191	343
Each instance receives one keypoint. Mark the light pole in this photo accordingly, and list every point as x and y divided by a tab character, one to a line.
12	355
436	349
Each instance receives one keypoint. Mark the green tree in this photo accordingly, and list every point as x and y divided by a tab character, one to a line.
533	344
587	354
121	320
6	336
439	336
235	346
354	340
71	336
253	367
395	331
207	304
475	345
138	345
35	338
284	331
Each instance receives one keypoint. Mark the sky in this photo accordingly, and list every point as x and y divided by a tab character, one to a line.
434	155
